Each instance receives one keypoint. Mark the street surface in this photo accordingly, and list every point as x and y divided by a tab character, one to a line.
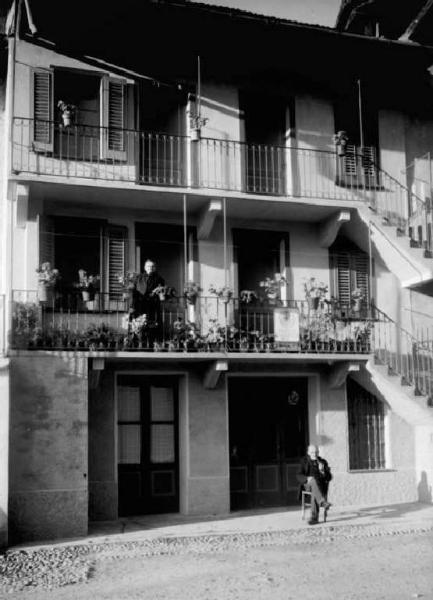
341	564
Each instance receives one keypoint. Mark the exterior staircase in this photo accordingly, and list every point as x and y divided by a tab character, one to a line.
401	228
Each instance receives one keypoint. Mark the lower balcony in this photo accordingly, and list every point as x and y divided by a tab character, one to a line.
210	324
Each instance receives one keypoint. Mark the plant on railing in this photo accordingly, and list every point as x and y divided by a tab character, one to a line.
357	297
128	281
67	112
141	332
196	122
164	292
47	281
215	337
224	293
340	140
100	337
272	287
315	292
247	296
191	291
87	284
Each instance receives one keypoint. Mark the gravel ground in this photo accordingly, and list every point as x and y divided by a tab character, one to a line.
233	566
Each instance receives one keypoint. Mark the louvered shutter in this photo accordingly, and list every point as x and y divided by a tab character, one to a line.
42	110
350	272
113	108
115	259
46	240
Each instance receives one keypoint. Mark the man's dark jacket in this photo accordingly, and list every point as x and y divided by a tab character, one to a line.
143	301
307	469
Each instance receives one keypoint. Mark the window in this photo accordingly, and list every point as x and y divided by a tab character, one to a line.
97	126
349	271
366	417
71	243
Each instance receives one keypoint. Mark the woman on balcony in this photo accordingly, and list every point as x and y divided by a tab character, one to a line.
145	301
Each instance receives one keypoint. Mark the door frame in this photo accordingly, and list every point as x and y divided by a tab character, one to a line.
314	404
182	397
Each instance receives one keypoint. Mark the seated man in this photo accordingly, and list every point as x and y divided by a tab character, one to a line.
314	476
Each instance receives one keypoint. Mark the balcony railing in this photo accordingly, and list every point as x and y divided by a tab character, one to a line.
83	151
103	323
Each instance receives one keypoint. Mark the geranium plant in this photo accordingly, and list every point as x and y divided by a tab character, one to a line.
247	296
163	292
357	294
128	280
191	291
47	275
314	288
224	293
272	286
87	281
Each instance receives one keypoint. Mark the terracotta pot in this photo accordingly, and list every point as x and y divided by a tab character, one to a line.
67	118
195	134
45	294
313	303
86	295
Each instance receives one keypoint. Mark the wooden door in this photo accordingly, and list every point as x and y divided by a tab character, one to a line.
268	435
147	421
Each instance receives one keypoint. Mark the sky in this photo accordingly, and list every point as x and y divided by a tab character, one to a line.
322	12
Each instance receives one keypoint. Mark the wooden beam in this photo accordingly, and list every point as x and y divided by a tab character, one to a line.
329	228
213	374
207	219
339	374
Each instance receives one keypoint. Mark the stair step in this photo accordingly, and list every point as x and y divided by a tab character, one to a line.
428	253
414	243
400	232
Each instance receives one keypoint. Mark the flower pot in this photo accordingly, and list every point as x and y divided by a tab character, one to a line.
86	295
45	294
357	305
341	149
313	303
67	118
191	299
195	134
161	296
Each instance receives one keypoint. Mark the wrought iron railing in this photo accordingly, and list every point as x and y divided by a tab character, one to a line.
104	323
407	356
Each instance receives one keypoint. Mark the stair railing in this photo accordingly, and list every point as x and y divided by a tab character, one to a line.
405	355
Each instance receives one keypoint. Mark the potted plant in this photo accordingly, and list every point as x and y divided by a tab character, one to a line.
128	282
357	297
163	292
247	296
215	337
47	280
273	287
225	293
191	291
315	291
196	122
340	140
186	336
88	284
67	112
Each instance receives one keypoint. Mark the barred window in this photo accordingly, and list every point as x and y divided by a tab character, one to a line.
366	417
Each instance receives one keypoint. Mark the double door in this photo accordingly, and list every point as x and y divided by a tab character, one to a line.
147	433
268	436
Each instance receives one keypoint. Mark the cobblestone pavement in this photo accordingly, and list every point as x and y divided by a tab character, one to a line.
176	567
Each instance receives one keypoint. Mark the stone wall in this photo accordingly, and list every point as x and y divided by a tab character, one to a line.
48	448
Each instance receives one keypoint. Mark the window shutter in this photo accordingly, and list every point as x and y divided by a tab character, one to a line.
343	278
42	110
115	259
46	240
361	273
350	272
113	108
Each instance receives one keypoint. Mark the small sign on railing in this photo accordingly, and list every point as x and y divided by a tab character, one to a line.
286	328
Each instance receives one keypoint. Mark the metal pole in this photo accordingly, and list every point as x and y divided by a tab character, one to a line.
225	239
370	265
361	124
185	241
198	87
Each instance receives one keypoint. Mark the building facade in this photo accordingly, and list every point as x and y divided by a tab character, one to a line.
267	178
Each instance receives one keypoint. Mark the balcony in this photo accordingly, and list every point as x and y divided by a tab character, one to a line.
210	325
156	159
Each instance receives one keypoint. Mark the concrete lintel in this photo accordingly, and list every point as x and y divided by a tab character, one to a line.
214	372
329	228
339	373
207	218
21	205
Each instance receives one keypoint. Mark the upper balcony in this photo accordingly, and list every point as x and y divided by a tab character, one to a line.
49	150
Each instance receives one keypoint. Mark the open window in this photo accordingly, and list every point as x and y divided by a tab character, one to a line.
79	115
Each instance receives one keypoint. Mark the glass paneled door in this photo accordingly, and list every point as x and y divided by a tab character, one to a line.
268	436
147	447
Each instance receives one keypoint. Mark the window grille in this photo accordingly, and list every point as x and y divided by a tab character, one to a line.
366	415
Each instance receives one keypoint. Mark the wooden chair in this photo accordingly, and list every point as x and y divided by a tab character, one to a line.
306	503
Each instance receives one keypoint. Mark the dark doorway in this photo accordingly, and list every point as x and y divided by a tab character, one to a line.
147	427
268	429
